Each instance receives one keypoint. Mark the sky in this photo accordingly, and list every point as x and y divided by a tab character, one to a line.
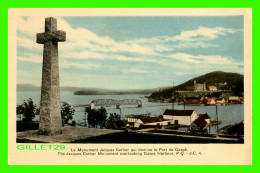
141	52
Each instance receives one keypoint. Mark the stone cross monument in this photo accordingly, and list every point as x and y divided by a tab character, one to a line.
50	115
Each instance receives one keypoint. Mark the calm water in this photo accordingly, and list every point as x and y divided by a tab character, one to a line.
226	114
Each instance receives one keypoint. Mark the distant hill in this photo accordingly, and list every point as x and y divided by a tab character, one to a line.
27	87
111	92
116	92
234	83
223	80
88	91
30	87
70	88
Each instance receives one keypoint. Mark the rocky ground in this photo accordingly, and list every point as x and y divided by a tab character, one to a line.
68	135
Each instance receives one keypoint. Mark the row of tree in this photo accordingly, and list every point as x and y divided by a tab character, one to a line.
96	117
28	110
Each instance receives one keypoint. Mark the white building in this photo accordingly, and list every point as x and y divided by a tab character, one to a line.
213	88
182	117
199	87
220	101
131	120
149	121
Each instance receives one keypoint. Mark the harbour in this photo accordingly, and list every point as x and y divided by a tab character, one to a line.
227	114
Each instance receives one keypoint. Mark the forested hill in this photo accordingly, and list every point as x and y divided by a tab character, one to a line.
235	81
223	81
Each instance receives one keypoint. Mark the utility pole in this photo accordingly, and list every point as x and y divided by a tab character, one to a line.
85	117
217	115
209	123
184	103
173	96
120	112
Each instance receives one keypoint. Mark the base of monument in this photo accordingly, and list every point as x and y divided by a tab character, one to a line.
49	132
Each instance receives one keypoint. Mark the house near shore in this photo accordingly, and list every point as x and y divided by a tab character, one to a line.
182	117
199	124
149	122
205	117
131	120
220	101
210	101
213	88
234	100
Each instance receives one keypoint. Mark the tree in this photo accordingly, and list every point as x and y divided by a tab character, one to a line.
19	111
67	112
91	116
112	120
28	109
102	116
96	117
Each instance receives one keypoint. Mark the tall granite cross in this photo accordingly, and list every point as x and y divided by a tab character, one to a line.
50	116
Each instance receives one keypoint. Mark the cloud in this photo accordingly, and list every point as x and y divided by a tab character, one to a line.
28	43
197	35
156	56
85	54
81	38
68	64
202	33
183	73
134	71
84	44
77	38
30	26
205	59
152	40
118	47
30	57
162	48
195	44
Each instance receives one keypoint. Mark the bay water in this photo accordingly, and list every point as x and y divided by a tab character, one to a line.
228	115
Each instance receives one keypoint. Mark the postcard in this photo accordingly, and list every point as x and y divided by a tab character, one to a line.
130	86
